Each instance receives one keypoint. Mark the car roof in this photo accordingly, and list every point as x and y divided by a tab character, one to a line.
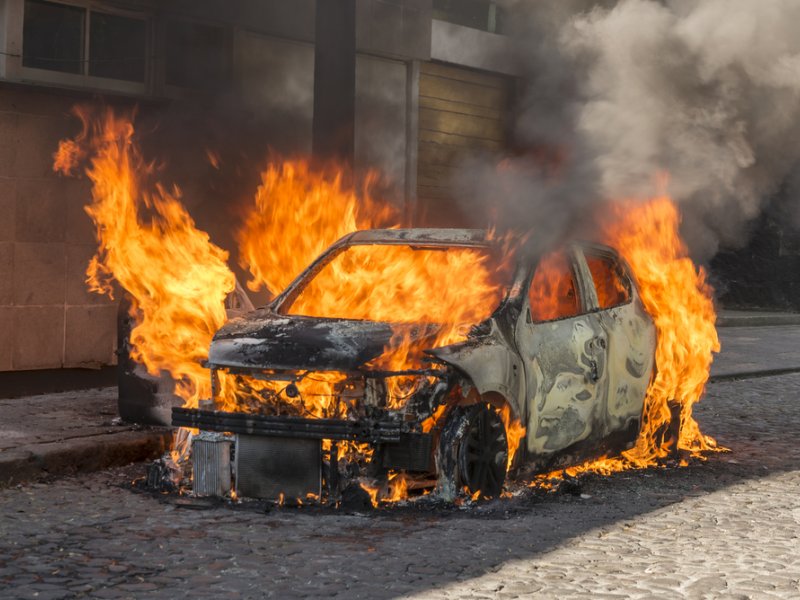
421	235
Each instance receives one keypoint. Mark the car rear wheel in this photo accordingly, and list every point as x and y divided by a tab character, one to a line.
473	452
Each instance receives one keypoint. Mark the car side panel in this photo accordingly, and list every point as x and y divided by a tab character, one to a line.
566	381
493	366
632	341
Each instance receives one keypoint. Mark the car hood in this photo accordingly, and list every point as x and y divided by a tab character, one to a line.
265	340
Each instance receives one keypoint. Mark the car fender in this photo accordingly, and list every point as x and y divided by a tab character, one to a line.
491	365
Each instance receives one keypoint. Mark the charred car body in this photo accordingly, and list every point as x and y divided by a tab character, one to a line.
568	354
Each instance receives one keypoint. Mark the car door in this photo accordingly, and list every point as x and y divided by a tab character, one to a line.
630	333
564	351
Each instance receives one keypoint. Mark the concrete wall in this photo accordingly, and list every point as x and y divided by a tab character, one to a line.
276	79
394	28
381	119
47	317
288	19
472	48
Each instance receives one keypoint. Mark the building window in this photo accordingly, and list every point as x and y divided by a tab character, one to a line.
117	47
54	38
197	55
478	14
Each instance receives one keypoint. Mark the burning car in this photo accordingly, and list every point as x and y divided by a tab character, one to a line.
541	361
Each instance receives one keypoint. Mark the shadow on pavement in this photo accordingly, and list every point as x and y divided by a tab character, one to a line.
758	420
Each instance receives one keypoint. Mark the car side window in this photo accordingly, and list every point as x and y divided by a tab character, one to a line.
553	293
610	283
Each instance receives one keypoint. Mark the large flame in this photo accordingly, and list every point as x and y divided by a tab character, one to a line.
178	281
148	243
676	294
299	212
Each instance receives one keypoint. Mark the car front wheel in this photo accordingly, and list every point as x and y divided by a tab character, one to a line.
473	452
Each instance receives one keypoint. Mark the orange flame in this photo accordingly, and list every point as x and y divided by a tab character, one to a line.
177	278
394	490
298	213
678	297
515	431
676	294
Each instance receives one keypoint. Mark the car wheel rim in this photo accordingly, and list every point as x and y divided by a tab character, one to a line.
484	453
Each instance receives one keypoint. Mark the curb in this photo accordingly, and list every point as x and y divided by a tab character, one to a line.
756	320
753	374
80	455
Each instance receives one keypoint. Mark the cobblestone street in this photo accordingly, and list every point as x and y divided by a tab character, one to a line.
727	528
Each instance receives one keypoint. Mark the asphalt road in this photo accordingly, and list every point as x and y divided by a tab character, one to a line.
726	528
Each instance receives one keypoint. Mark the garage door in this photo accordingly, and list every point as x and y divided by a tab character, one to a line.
461	113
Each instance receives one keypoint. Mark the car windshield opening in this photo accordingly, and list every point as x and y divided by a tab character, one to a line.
404	284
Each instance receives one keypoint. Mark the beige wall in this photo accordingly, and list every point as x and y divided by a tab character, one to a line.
47	317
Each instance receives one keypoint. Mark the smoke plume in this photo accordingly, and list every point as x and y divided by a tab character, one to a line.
620	93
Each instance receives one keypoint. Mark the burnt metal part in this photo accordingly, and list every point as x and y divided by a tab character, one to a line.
355	498
265	339
365	430
411	453
211	464
267	467
473	452
164	474
426	400
421	237
483	452
332	478
592	448
141	398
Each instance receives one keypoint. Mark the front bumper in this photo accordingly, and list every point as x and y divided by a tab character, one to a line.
363	430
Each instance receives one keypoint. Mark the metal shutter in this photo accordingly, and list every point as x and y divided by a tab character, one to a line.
461	113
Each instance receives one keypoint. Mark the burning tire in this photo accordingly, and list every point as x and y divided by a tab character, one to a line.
473	452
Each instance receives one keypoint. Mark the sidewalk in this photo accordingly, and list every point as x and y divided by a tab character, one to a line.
756	344
58	434
757	351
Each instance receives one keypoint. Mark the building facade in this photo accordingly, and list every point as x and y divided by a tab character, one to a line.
430	88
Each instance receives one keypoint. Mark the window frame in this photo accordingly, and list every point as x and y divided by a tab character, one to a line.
586	251
12	68
587	301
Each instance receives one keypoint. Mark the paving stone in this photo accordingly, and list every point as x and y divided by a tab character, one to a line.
727	528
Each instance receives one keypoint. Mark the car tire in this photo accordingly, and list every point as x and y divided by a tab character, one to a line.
472	452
